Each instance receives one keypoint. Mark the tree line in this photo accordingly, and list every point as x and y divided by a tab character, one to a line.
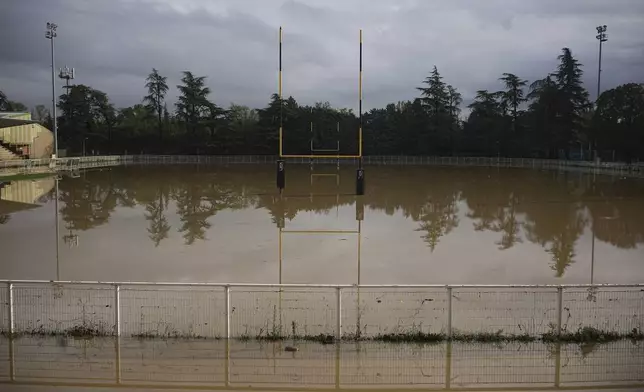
547	118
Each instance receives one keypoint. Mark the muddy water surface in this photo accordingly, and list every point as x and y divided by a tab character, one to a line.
371	366
415	225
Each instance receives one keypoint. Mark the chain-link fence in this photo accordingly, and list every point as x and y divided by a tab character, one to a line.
370	312
505	311
465	312
149	311
274	313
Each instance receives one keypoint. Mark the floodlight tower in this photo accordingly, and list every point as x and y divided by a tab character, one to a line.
50	34
601	37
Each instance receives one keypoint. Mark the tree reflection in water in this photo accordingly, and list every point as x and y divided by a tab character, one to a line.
548	208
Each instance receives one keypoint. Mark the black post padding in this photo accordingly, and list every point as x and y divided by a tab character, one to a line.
281	174
360	182
359	209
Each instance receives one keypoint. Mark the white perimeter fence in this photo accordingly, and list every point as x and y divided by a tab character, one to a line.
633	170
338	311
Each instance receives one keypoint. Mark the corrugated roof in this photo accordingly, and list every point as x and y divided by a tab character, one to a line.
6	122
11	114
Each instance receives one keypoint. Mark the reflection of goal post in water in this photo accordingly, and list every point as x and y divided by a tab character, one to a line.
356	230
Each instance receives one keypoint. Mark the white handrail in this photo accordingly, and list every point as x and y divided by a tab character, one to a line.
610	168
328	286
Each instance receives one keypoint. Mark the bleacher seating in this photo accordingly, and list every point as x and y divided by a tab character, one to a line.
7	155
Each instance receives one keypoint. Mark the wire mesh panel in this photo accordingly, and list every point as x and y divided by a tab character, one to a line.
504	311
592	364
49	308
378	365
5	308
369	312
256	364
157	311
486	365
269	312
5	365
618	310
186	362
65	358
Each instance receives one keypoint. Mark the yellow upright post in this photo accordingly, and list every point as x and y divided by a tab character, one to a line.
360	104
280	93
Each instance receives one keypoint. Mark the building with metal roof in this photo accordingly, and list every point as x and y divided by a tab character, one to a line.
21	137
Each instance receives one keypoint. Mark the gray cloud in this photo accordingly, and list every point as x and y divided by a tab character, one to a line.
114	44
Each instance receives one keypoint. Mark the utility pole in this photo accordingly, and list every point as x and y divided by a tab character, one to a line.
50	34
67	74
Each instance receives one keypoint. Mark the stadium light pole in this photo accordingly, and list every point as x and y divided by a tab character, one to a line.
50	34
601	37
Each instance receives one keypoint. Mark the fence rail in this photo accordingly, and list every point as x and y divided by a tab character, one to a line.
636	170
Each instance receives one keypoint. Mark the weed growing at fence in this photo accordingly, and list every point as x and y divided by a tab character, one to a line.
590	334
173	335
79	331
412	337
582	335
275	334
493	337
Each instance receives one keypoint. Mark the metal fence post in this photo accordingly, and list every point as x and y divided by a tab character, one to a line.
449	312
338	321
12	366
559	309
11	310
227	293
117	309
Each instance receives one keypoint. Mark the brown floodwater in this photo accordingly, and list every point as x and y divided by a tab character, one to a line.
414	225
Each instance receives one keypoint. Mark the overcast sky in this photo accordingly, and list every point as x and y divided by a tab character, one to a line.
113	44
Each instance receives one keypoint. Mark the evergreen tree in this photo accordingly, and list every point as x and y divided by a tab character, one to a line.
573	99
157	88
193	101
513	97
543	114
